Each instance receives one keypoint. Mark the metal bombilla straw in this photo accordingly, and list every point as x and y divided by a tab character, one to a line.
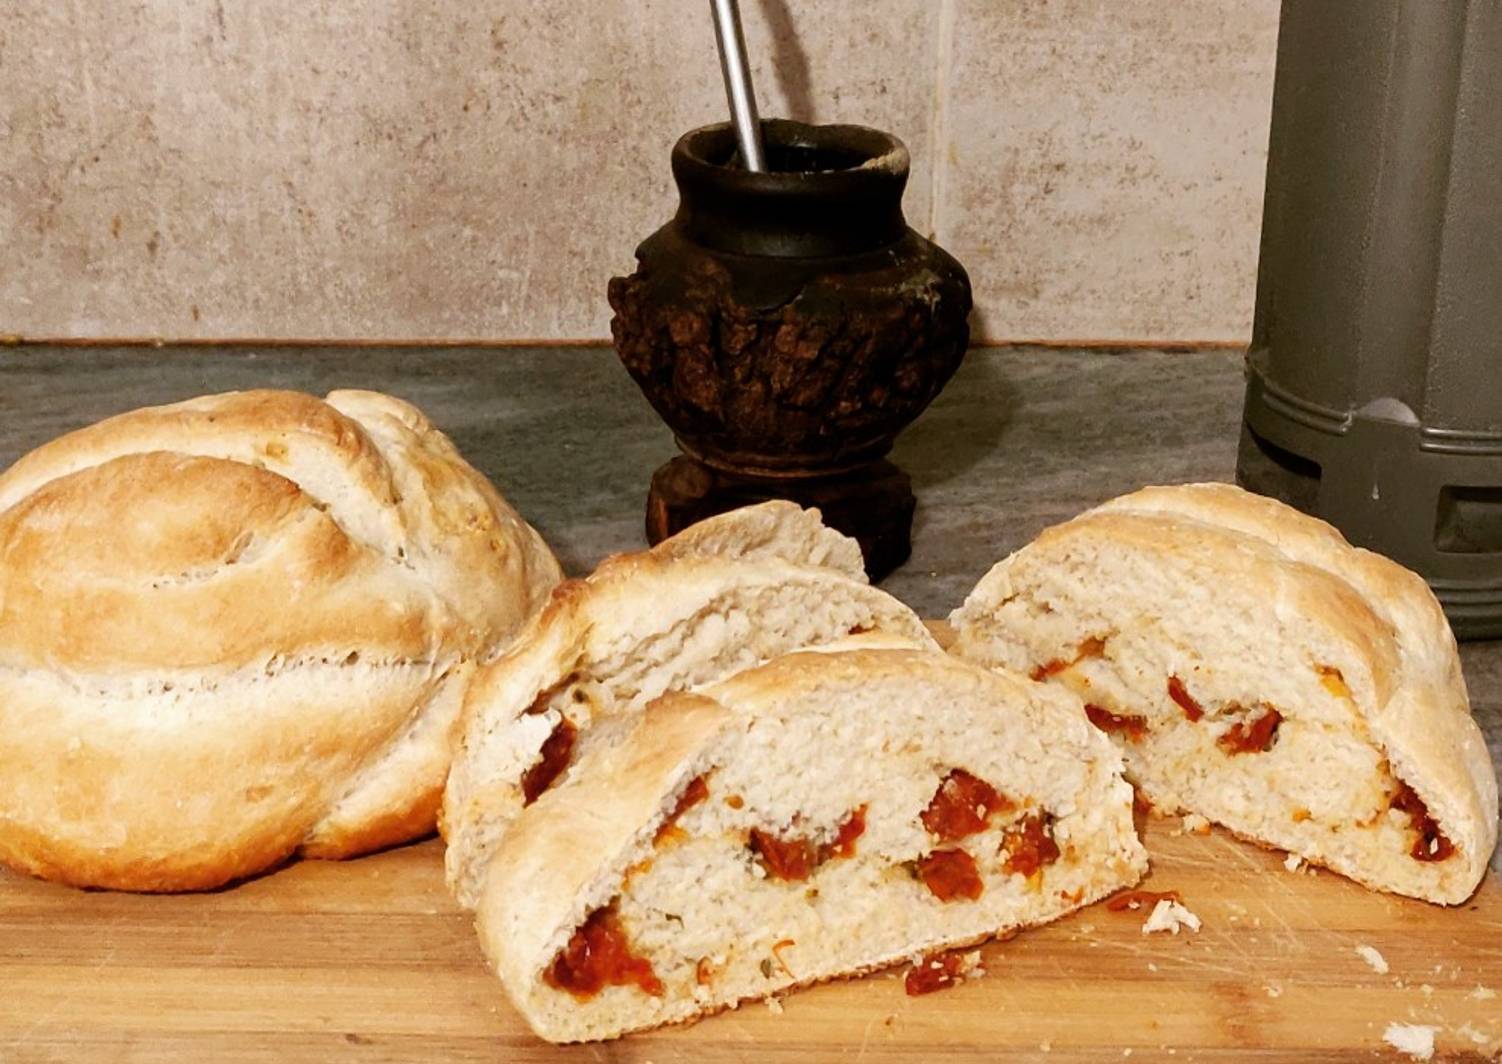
738	89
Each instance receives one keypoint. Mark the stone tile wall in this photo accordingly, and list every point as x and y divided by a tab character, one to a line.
197	169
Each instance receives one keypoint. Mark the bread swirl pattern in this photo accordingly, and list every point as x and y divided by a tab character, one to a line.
239	627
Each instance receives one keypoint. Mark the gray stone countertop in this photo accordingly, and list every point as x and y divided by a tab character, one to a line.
1020	439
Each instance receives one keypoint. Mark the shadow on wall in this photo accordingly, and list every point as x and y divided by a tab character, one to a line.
790	63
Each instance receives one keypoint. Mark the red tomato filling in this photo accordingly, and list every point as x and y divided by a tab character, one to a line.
598	955
961	806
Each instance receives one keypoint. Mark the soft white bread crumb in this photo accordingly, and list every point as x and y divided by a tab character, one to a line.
703	605
1373	958
791	751
1414	1039
1168	915
1258	670
1194	824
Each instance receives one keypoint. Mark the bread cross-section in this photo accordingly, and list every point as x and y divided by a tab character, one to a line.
820	816
723	596
1258	670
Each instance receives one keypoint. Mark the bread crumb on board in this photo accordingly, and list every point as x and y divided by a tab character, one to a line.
939	971
1373	958
774	1006
1476	1037
1194	824
1293	862
1169	915
1414	1039
1273	990
1482	993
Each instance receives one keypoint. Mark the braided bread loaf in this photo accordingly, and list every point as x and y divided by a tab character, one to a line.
239	628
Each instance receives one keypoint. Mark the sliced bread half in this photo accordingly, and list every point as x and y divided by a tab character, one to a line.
823	815
1257	669
712	601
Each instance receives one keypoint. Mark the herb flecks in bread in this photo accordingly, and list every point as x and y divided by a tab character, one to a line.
852	771
1255	668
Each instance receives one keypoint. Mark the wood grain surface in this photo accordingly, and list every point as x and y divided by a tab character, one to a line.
370	961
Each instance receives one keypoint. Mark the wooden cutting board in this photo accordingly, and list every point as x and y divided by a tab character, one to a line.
370	961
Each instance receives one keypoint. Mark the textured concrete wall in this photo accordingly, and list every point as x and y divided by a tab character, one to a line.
310	168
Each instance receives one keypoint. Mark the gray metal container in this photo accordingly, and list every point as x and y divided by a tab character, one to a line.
1374	380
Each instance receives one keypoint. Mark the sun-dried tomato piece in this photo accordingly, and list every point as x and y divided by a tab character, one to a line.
557	749
1431	844
796	858
937	971
950	874
1093	647
1180	694
1140	899
1254	738
961	806
1029	844
696	791
1049	668
843	845
790	859
598	955
1130	725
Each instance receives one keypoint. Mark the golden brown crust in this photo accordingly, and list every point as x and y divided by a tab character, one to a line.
229	629
391	828
45	856
165	561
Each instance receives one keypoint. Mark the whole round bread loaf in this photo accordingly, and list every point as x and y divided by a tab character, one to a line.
239	628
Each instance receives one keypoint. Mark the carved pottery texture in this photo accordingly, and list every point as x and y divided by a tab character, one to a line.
827	378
